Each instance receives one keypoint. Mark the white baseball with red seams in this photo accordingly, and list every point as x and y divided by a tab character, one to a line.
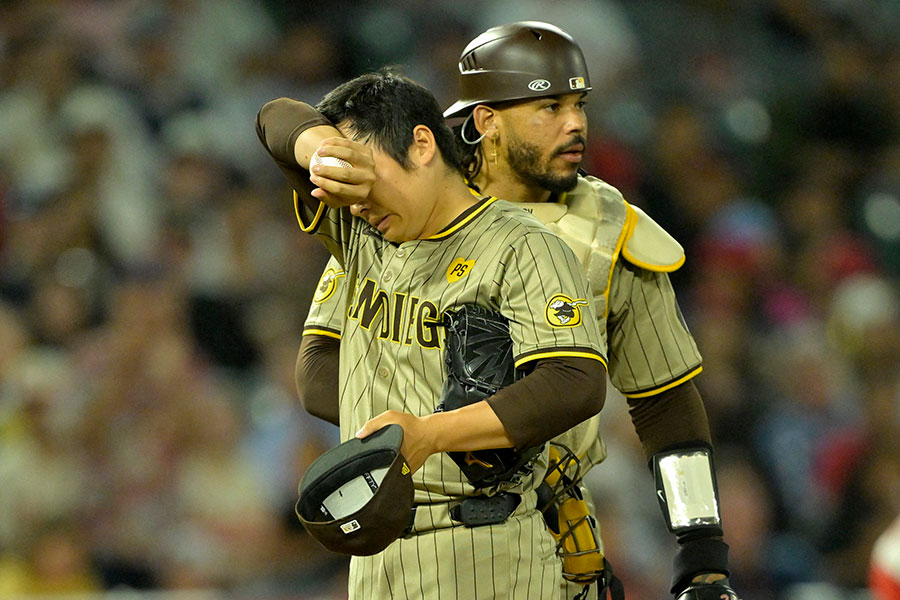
328	161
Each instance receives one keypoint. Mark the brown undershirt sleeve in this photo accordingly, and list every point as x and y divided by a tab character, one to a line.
557	395
278	125
674	417
316	376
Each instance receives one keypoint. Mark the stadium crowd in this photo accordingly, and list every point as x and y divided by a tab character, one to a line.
154	282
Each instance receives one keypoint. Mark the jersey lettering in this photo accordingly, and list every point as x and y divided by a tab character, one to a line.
371	301
372	304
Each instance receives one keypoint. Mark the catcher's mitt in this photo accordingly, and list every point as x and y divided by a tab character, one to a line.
479	363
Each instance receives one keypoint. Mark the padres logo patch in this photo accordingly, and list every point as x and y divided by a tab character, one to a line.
459	268
327	285
563	311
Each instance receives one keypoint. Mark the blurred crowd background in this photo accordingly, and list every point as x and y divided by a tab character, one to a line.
154	282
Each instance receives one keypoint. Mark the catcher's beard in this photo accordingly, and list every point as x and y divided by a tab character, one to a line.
526	161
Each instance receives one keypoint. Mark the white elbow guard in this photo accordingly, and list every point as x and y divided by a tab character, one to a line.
686	489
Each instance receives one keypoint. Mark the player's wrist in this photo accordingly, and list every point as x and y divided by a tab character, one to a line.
309	141
472	427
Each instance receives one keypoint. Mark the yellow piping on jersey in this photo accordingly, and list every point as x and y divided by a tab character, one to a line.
324	332
319	212
474	214
551	354
668	386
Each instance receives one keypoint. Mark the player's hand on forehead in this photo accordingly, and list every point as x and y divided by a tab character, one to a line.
340	185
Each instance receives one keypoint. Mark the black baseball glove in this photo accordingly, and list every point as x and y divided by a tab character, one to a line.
480	362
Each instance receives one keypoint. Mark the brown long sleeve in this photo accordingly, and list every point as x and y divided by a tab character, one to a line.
316	376
278	125
557	395
577	387
674	417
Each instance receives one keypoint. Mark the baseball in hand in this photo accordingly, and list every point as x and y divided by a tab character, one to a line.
328	161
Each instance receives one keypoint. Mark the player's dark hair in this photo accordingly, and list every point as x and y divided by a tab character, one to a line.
384	106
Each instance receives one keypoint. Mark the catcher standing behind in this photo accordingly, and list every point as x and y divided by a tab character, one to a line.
523	88
415	245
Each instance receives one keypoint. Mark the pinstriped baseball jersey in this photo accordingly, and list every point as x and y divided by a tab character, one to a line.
515	560
650	348
385	302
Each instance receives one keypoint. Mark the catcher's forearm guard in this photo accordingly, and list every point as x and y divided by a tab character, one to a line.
480	362
689	498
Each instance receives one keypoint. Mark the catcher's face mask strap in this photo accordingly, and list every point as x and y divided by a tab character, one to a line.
687	489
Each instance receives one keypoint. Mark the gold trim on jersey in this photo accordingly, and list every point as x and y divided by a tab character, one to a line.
315	222
668	386
560	354
325	332
467	219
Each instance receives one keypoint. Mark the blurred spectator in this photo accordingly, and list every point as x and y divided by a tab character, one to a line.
884	569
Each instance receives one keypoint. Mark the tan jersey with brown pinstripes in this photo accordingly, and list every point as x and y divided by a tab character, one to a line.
650	348
394	296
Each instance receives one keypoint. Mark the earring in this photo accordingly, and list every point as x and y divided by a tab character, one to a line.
494	152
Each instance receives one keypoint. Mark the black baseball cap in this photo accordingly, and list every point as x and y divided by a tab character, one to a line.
357	497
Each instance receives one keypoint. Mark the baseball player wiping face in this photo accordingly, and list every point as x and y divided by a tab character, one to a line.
413	244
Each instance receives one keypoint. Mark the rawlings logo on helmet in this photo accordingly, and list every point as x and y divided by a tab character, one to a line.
539	85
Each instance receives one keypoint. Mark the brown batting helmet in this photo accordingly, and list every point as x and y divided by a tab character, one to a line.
527	59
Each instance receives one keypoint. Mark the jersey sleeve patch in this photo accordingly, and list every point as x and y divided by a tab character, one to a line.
328	283
649	246
563	311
